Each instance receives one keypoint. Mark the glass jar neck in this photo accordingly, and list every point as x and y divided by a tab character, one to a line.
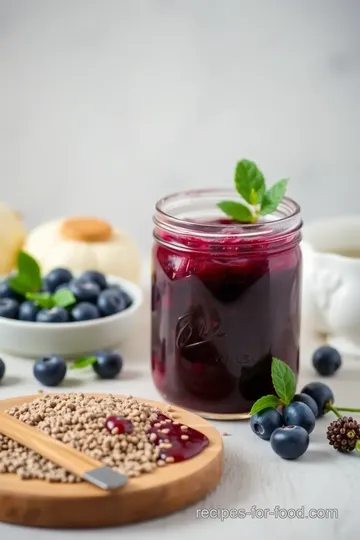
192	219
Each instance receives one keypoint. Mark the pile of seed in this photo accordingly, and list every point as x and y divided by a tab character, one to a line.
79	421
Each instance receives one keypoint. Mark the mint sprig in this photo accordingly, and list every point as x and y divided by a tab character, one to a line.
28	277
284	382
273	197
249	181
232	208
283	379
251	186
63	298
41	299
28	282
83	362
264	403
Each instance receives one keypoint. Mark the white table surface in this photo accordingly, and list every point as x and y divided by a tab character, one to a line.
253	474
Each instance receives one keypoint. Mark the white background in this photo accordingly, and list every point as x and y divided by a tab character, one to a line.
106	106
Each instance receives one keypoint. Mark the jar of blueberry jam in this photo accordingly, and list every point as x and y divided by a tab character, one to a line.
225	300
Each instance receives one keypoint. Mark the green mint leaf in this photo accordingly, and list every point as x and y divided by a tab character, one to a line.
283	379
273	197
64	298
249	180
41	299
19	284
261	193
264	403
83	362
237	211
29	270
253	197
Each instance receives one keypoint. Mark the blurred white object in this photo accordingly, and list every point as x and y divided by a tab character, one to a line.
331	284
33	339
12	237
81	244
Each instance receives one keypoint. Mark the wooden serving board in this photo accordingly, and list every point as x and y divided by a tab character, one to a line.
41	504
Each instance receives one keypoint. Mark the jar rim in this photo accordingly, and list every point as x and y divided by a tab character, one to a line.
289	213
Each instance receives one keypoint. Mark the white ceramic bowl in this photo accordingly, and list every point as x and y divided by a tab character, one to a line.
32	339
331	290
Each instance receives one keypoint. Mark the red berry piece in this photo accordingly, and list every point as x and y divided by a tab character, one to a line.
122	424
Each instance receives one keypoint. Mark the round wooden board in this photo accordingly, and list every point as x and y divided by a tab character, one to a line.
42	504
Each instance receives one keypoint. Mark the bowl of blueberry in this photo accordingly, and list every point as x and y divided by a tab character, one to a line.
64	313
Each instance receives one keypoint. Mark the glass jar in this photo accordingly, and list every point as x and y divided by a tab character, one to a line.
225	300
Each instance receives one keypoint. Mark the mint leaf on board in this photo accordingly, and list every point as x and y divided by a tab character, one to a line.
83	362
29	269
273	197
41	299
63	298
237	211
249	181
283	379
264	403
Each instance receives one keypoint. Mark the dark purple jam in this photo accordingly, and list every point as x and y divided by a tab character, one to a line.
220	312
177	441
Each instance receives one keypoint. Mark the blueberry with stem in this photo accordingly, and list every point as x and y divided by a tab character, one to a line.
321	394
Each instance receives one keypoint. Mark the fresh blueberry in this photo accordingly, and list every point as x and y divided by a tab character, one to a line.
84	311
95	277
118	290
109	302
28	311
84	291
2	369
309	401
7	292
299	414
9	308
320	393
108	364
53	315
56	277
50	370
265	422
326	360
289	442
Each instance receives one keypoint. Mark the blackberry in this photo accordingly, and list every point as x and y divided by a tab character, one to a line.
343	434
